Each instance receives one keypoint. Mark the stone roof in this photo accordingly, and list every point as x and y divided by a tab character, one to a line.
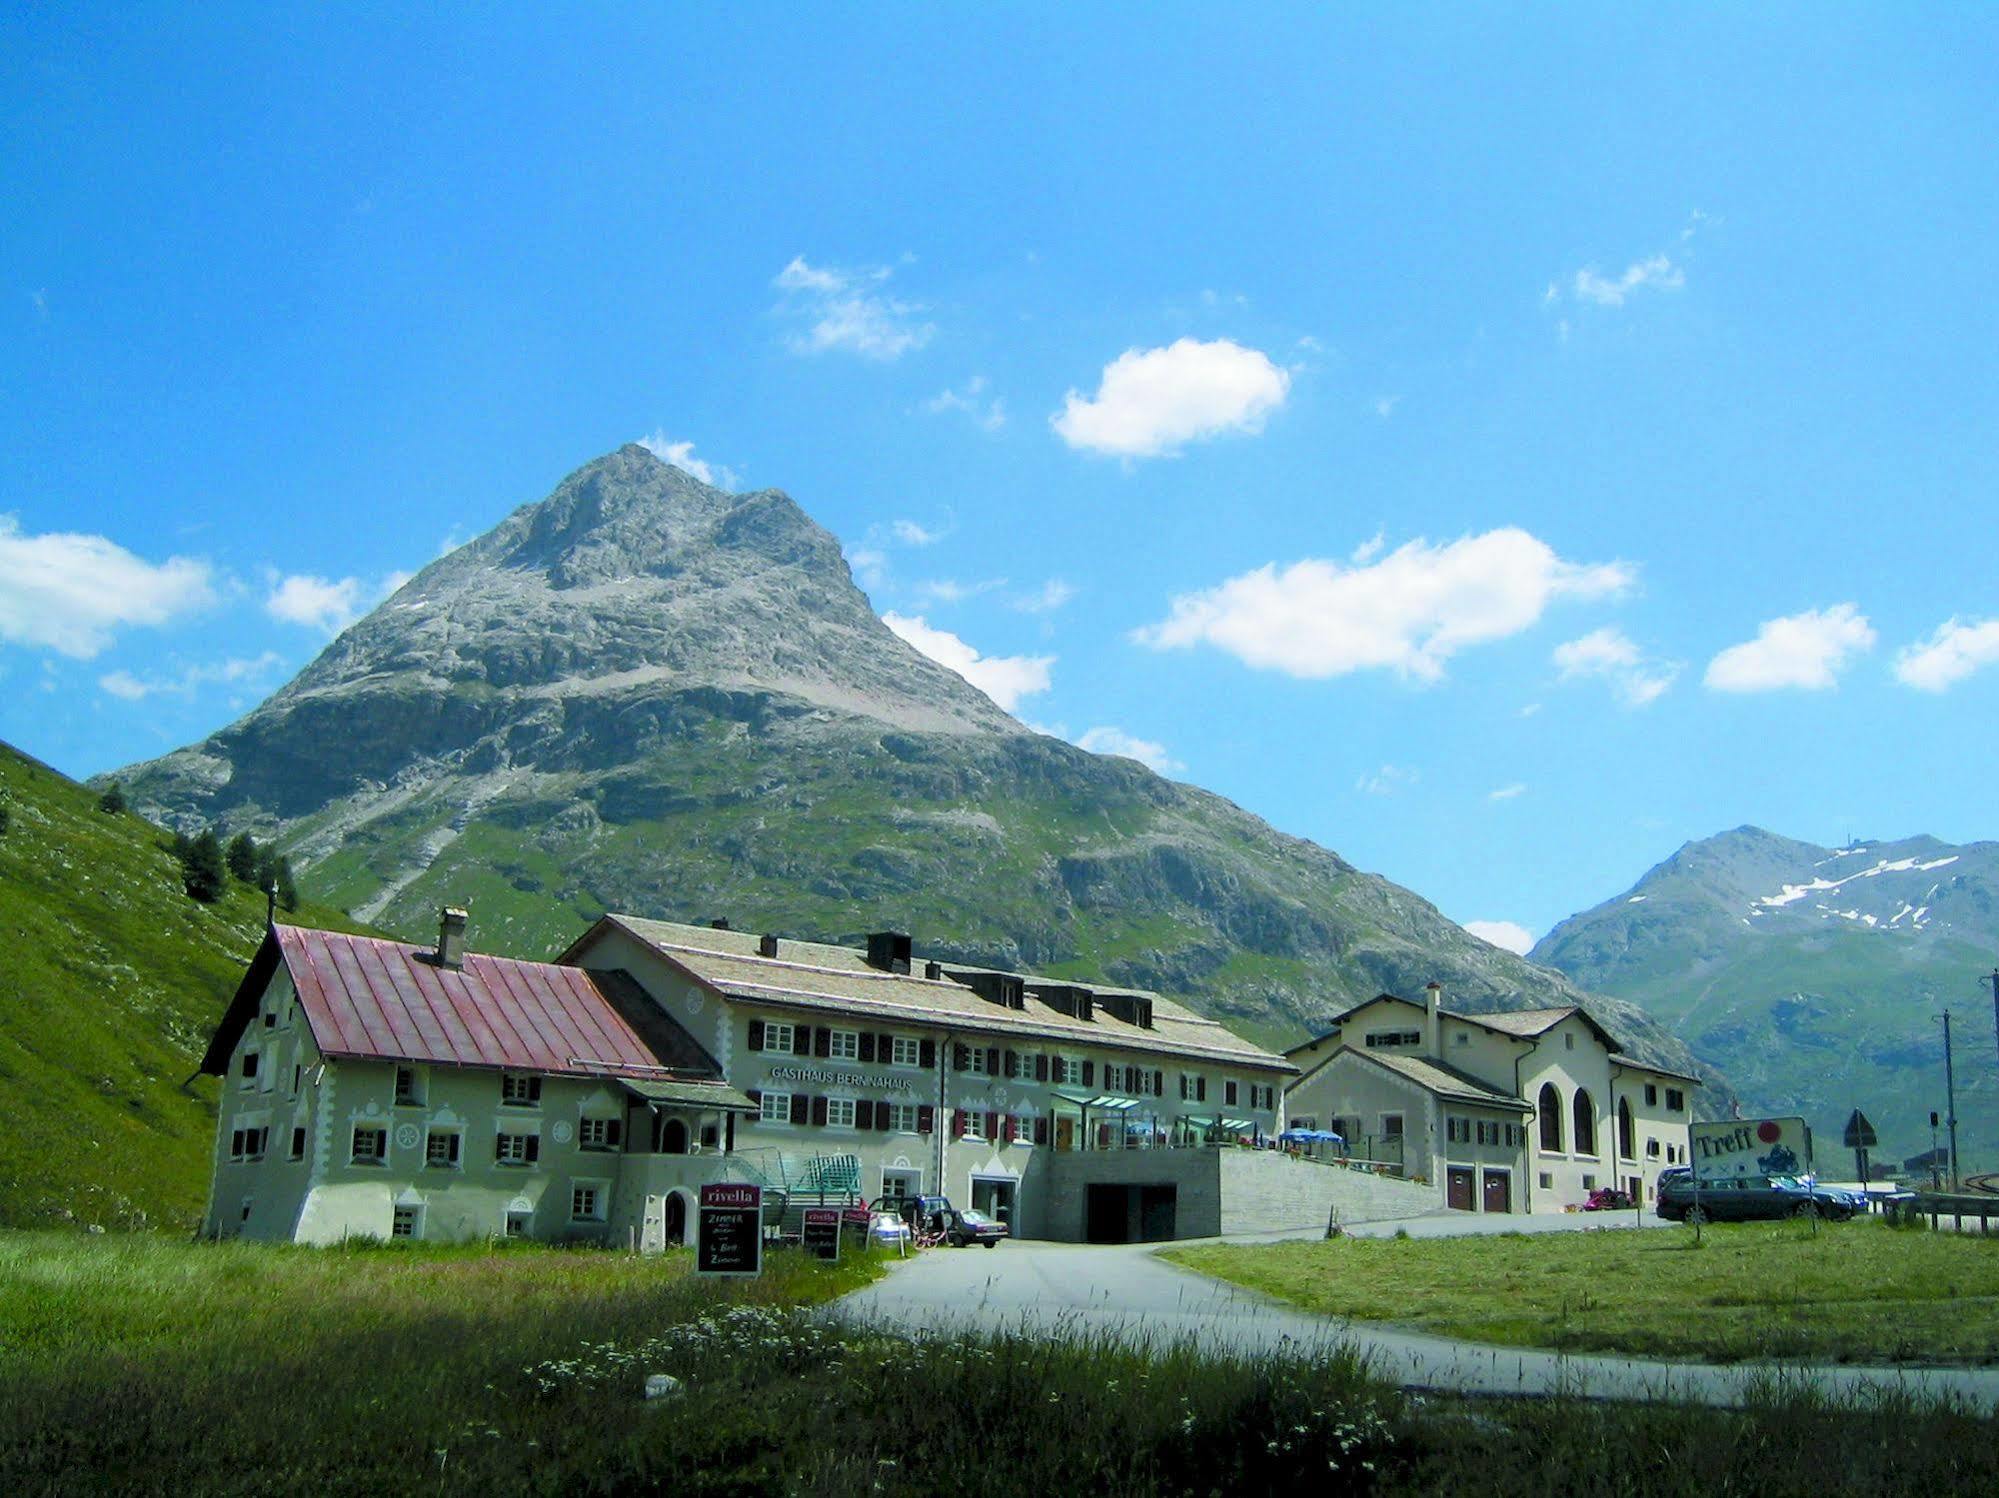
836	979
1443	1079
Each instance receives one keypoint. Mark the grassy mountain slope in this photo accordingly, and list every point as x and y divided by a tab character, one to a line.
1812	975
110	984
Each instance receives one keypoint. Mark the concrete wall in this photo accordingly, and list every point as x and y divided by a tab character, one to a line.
1059	1198
1267	1191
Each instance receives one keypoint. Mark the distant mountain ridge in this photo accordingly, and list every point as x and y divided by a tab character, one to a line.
1811	974
646	694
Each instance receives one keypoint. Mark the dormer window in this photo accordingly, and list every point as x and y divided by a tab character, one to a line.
409	1087
520	1089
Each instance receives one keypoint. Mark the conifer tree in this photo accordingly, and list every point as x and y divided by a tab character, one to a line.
204	873
113	799
243	860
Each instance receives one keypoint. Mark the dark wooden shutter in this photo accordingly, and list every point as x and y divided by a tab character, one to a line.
1200	1089
884	1117
801	1040
992	1061
961	1057
1011	1126
1041	1130
534	1148
801	1107
864	1114
1089	1073
822	1041
454	1146
885	1048
926	1116
868	1046
1159	1084
499	1146
958	1123
756	1097
1041	1068
927	1054
992	1126
819	1110
756	1034
614	1133
1012	1064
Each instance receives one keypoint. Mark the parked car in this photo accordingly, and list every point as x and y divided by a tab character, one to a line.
927	1216
888	1230
1752	1197
1607	1199
974	1226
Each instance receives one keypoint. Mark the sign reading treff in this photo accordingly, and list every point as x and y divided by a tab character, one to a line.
821	1234
729	1232
1736	1148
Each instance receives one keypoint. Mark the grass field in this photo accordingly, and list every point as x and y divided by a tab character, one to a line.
139	1365
1851	1292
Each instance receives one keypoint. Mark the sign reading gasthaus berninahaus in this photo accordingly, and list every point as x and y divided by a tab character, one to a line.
1733	1148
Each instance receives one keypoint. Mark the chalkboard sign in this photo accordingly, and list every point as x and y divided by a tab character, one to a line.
729	1232
822	1232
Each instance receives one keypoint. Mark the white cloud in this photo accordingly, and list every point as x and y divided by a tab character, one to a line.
870	565
1051	596
1112	740
70	593
1152	401
1529	710
328	605
847	311
1408	612
1510	935
950	590
1955	651
681	456
1608	654
123	684
1506	792
989	411
1004	678
1385	406
909	533
1806	650
1387	780
1655	273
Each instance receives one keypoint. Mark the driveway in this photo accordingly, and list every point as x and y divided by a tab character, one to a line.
1126	1290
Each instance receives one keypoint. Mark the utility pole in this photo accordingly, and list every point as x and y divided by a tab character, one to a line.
1950	1096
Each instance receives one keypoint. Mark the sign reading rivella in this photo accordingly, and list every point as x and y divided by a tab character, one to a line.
1734	1148
728	1238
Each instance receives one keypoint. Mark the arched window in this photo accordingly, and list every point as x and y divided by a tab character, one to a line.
1585	1123
1627	1142
1550	1109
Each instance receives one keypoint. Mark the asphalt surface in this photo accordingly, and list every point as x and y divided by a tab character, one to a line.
1128	1292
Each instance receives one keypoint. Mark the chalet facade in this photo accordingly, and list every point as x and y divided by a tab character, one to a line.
1527	1111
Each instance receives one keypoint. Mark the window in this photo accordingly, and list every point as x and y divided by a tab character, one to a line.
248	1144
586	1203
1651	1094
517	1149
1675	1100
1262	1096
902	1117
407	1222
298	1144
1585	1109
1381	1040
1651	1149
600	1133
1488	1132
779	1038
970	1124
975	1061
1569	1040
1589	1183
409	1090
1229	1088
1515	1136
1065	1070
249	1067
905	1052
775	1107
518	1222
1546	1180
845	1045
298	1075
1391	1125
840	1112
1461	1037
371	1146
440	1149
1195	1089
1549	1107
1454	1130
270	1019
519	1090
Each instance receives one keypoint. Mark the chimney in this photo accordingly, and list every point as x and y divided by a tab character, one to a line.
767	945
933	970
1433	1033
720	925
451	938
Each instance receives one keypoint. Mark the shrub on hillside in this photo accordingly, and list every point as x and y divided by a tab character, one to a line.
113	800
243	858
204	874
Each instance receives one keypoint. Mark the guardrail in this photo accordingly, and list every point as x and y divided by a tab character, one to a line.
1936	1206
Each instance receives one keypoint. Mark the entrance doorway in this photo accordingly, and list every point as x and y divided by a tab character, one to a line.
672	1137
995	1196
1498	1191
1065	1131
1131	1214
676	1217
1458	1188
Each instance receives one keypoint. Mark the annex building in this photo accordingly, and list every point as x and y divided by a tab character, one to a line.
1523	1111
378	1088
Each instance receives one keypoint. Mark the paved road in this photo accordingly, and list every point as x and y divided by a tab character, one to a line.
1129	1292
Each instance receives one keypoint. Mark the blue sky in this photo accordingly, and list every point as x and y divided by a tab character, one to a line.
1500	447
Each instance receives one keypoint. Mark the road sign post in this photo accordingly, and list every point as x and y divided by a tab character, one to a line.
729	1233
1860	1139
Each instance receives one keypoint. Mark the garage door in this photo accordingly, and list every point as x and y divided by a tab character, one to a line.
1498	1191
1457	1188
